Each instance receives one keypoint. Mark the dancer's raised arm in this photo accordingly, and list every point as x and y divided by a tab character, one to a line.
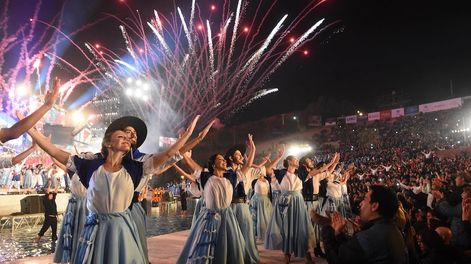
269	166
44	143
161	158
28	122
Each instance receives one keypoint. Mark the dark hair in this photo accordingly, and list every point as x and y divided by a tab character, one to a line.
231	153
386	199
302	161
211	162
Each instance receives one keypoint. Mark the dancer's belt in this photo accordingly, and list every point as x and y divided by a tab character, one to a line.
239	200
312	198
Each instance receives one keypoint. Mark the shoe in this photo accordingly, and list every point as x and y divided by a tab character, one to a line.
37	239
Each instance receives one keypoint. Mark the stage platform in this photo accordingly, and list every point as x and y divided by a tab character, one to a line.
165	249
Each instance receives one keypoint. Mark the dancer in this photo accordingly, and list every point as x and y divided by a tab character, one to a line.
136	130
215	237
290	228
260	205
110	181
74	219
195	188
245	175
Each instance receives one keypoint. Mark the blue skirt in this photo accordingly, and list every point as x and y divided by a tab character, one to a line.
110	238
261	210
314	206
215	238
274	196
139	216
74	220
198	206
244	218
290	228
337	205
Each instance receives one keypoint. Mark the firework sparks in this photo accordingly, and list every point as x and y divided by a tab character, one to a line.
193	71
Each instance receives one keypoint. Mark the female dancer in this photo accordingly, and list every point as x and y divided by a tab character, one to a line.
110	235
290	227
215	236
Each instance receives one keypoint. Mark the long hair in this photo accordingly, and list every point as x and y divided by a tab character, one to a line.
211	162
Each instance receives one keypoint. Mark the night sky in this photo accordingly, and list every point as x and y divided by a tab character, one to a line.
416	48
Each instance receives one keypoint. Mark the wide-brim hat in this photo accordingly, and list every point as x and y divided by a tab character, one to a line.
131	121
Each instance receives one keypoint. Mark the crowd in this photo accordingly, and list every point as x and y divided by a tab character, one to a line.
387	195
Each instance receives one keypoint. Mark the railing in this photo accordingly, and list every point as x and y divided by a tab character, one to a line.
22	221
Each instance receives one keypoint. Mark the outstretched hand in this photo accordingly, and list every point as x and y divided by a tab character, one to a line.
205	131
52	94
281	150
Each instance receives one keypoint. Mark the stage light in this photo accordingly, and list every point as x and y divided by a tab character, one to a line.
78	117
299	149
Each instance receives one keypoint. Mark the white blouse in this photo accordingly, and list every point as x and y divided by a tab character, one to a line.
217	193
195	189
252	174
262	187
76	186
110	192
291	182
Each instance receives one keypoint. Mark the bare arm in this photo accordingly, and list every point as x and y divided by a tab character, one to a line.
251	154
162	157
28	122
60	165
44	143
190	162
184	173
192	143
269	166
20	157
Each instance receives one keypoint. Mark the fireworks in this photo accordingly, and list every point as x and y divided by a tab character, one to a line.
29	53
195	65
212	61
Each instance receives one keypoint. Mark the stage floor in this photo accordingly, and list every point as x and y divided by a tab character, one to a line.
165	249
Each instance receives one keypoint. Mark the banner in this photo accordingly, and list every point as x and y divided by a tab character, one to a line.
332	121
397	112
373	116
441	105
411	110
385	115
351	119
362	118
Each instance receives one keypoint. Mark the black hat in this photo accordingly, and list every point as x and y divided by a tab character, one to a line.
132	121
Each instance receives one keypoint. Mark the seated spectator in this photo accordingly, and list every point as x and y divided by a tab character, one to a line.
380	241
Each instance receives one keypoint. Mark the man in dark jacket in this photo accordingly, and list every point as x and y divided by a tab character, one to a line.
50	212
380	241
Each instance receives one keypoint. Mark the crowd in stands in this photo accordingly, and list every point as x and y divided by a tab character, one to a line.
411	155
